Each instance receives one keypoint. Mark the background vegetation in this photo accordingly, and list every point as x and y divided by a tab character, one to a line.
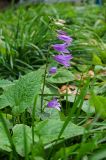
30	130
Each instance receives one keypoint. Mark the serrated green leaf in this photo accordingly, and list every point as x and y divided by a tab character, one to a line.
21	95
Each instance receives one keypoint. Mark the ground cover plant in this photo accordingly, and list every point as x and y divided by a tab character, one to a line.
53	82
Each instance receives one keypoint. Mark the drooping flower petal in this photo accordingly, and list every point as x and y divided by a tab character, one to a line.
65	38
61	48
53	70
54	104
63	59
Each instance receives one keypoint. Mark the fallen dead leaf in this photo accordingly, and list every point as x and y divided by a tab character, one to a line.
91	73
87	97
70	89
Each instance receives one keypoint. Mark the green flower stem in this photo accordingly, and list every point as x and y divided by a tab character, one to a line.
44	82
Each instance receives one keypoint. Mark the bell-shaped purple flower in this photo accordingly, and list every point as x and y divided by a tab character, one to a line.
53	70
54	104
61	48
63	59
67	39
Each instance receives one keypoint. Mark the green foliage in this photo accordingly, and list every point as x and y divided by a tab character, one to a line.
21	95
49	134
22	138
24	42
96	60
5	83
62	76
99	155
28	128
3	101
99	102
4	141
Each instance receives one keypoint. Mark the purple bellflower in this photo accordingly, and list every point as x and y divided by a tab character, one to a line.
67	39
61	48
54	104
63	59
53	70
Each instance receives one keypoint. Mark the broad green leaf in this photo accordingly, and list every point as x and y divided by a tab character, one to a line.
87	108
53	113
4	141
99	102
21	135
5	83
22	138
21	95
49	130
62	76
49	113
51	90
